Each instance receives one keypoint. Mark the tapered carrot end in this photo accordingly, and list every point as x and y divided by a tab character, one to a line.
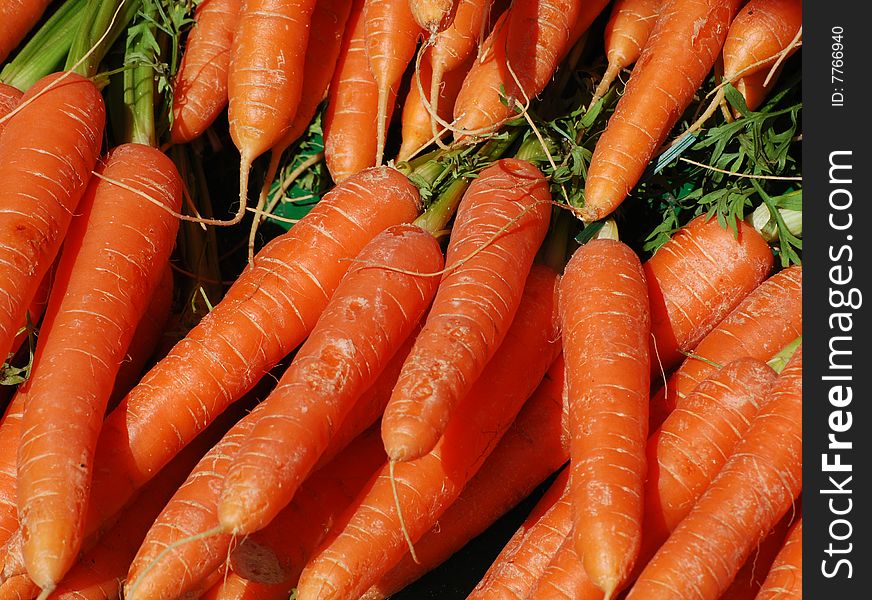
407	439
603	570
601	197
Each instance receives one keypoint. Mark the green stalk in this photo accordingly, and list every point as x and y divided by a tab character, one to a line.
47	49
436	218
92	41
139	82
554	248
532	151
780	360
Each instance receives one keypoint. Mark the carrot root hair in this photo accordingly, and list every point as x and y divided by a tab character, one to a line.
391	464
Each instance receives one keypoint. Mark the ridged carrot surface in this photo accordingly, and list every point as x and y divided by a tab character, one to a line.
369	539
784	581
761	30
755	488
500	224
47	152
681	51
765	321
9	98
200	88
16	19
606	326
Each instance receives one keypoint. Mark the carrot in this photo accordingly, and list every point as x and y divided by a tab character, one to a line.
785	577
520	57
10	434
265	79
749	579
19	588
325	40
765	321
696	279
266	313
47	152
145	339
534	447
453	45
9	99
433	16
16	19
99	572
200	88
755	488
754	88
500	224
607	380
525	557
391	35
351	344
350	140
34	312
688	451
114	254
370	539
679	54
276	555
565	577
417	131
626	33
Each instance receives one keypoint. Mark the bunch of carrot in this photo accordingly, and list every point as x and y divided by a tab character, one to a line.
420	351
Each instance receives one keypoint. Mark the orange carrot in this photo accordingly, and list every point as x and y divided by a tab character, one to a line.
565	577
456	43
535	446
696	279
755	488
410	498
433	16
626	33
785	577
696	440
520	56
766	320
19	587
269	310
350	138
35	311
265	79
99	572
754	88
679	54
525	557
607	380
391	35
276	555
145	339
16	19
749	579
10	434
9	98
500	224
200	89
417	131
351	344
114	254
47	152
760	32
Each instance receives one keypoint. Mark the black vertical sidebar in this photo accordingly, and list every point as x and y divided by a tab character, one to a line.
837	254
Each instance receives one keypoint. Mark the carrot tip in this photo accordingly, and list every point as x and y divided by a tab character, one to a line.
407	440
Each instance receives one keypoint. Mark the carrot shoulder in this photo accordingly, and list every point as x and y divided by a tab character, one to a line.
606	324
500	224
47	152
682	49
755	488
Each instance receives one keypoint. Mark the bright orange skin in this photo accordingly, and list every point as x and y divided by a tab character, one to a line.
565	578
695	280
765	321
47	152
369	540
784	581
9	98
473	309
16	19
606	327
755	488
200	88
761	30
680	52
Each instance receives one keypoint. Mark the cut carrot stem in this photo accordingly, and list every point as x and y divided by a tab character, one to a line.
756	487
607	379
47	152
369	539
763	323
525	557
500	224
695	280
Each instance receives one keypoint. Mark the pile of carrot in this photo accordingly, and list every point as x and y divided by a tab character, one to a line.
385	379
